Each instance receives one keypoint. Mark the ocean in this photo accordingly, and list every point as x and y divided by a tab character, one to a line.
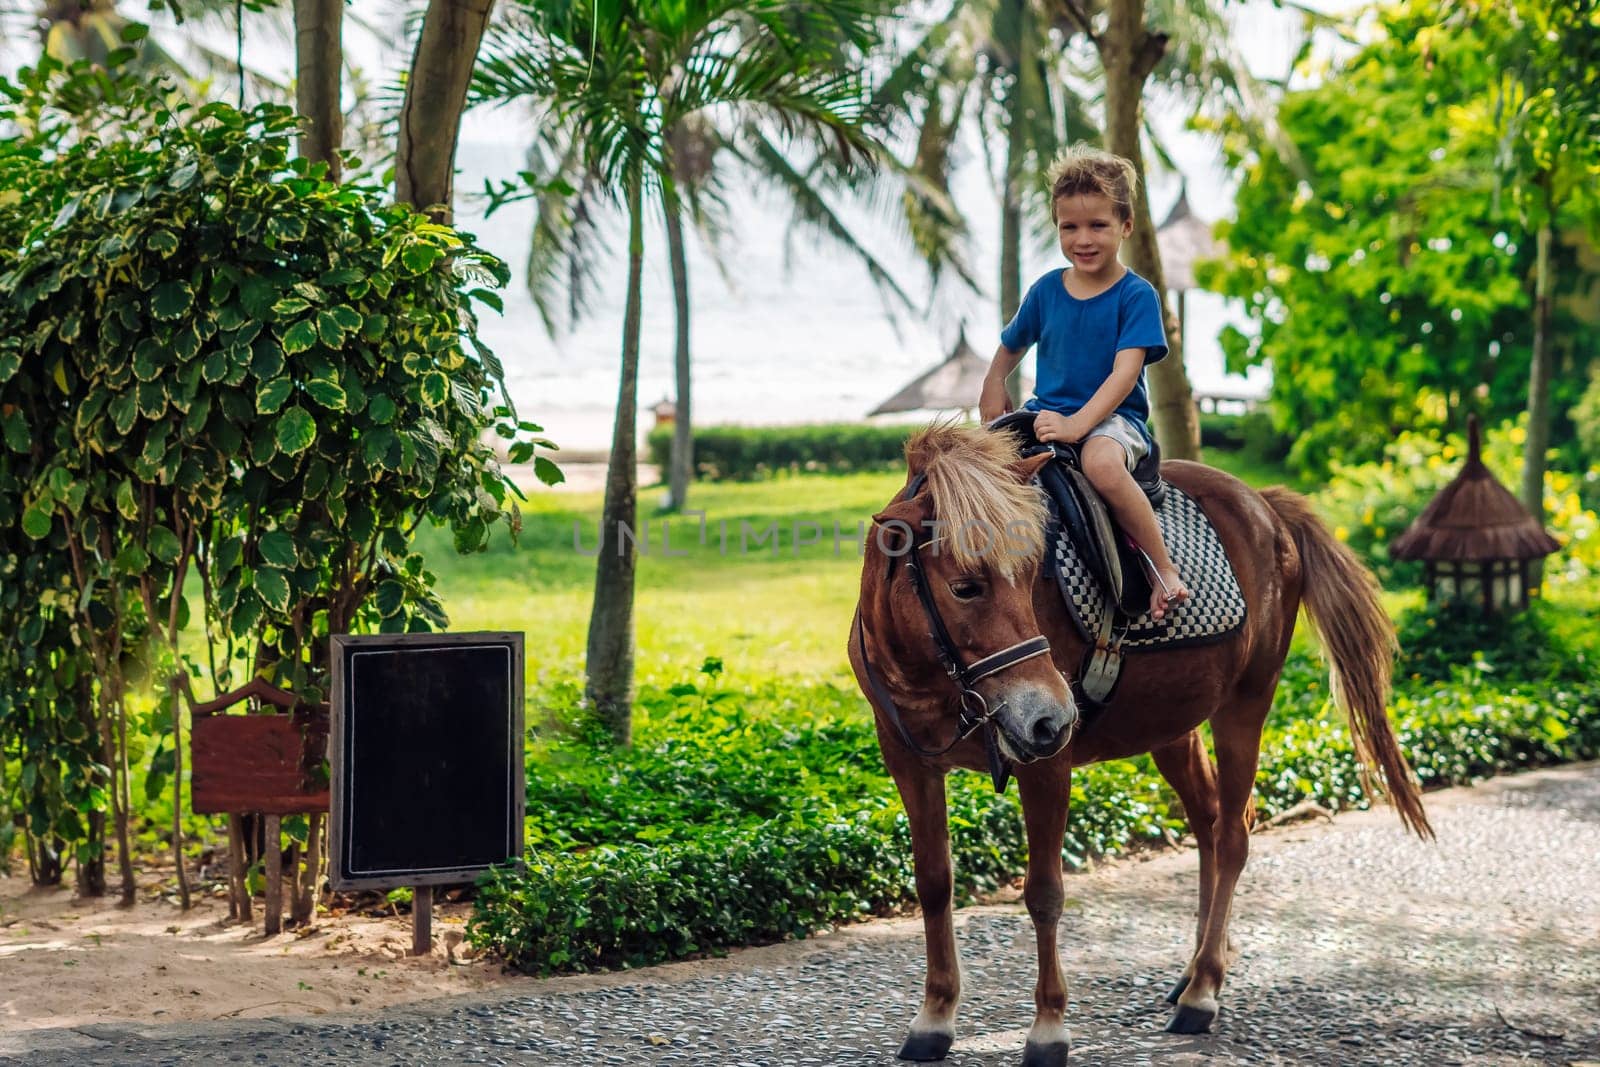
794	331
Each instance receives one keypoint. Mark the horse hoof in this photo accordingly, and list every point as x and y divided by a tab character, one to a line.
1050	1054
928	1045
1191	1020
1177	989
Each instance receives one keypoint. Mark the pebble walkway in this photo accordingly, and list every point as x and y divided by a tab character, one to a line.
1360	947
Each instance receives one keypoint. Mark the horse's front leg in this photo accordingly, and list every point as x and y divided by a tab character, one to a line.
922	792
1046	788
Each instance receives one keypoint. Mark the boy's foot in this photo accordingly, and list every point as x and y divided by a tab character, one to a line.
1167	592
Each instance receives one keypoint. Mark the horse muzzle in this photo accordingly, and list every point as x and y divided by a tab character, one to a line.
1035	723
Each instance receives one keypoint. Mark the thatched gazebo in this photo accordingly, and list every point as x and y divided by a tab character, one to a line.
1479	543
952	384
1184	240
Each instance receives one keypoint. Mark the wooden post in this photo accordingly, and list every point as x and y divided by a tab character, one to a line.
177	800
238	884
421	920
302	905
274	858
314	848
294	883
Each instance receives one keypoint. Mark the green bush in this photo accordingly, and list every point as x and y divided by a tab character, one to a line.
1585	417
229	391
1552	643
764	813
743	453
1252	433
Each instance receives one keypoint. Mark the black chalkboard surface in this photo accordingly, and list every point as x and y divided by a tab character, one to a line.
426	758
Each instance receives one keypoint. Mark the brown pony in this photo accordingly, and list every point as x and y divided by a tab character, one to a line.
949	640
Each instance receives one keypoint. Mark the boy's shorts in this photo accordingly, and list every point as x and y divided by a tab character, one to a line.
1121	429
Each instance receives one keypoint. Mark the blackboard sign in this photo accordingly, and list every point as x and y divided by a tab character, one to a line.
426	758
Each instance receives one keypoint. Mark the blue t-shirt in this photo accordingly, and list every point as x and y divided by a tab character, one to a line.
1079	341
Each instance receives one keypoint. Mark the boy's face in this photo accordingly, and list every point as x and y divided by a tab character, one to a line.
1091	232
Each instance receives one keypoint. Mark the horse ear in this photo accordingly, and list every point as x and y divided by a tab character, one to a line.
1027	468
911	512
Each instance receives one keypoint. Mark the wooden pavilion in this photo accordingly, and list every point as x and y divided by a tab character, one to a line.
1479	544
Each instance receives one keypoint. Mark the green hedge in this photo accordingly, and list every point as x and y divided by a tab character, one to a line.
1252	433
744	453
758	814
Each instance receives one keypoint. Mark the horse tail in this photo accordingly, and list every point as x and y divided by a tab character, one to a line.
1341	597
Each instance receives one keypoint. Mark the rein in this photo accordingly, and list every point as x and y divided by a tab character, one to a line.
975	712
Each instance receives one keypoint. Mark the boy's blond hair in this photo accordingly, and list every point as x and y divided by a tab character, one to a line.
1084	170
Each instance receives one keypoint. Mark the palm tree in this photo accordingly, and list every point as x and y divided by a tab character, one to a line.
623	74
1002	67
706	154
1186	44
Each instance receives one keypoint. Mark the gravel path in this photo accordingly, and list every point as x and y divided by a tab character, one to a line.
1360	947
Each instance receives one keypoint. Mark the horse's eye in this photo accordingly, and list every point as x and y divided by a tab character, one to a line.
966	589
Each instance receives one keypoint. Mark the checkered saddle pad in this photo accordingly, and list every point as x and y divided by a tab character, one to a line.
1215	606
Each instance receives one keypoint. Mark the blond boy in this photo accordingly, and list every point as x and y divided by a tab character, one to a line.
1097	324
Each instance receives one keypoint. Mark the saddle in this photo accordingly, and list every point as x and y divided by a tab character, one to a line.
1078	513
1103	578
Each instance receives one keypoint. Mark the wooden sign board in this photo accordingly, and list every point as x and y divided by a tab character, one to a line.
426	758
265	763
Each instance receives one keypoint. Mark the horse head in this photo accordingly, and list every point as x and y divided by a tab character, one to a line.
947	600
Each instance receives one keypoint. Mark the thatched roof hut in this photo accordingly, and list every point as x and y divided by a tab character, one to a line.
1476	537
952	384
1184	240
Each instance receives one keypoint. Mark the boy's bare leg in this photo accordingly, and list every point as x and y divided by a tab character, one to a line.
1105	462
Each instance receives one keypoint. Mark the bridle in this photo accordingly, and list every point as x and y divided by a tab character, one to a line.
975	712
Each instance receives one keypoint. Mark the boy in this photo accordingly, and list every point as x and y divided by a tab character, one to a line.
1097	324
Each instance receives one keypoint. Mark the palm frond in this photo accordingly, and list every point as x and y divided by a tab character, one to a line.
812	212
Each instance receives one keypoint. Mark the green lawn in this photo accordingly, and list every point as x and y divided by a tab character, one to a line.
765	613
1251	468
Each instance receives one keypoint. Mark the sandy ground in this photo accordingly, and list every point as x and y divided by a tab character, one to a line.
69	962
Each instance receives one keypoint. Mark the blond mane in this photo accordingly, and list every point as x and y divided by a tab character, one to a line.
990	518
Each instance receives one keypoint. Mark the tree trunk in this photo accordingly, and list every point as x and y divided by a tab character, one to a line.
45	858
682	466
609	666
436	94
122	807
1538	440
318	65
1011	189
91	880
1128	53
92	871
177	800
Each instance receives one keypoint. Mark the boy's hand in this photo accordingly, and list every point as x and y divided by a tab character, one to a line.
994	401
1068	429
